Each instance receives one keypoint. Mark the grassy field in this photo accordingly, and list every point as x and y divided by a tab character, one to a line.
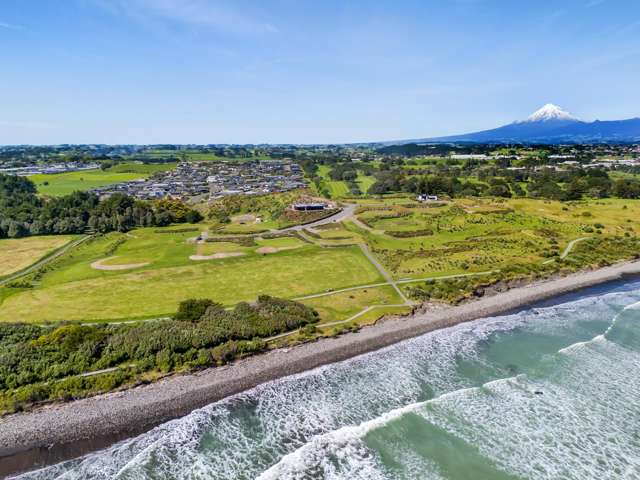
193	156
144	168
365	182
17	254
336	189
59	184
411	240
341	306
73	290
415	241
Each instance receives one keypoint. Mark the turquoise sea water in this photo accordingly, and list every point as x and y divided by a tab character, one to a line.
552	392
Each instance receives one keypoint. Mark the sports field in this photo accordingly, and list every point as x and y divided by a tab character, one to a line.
284	267
59	184
17	254
145	273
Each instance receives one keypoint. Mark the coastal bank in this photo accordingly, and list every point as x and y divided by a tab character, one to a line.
62	431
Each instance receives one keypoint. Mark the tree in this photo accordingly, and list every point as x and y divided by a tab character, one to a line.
192	310
627	188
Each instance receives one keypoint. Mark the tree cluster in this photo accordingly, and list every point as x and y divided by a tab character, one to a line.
23	213
34	359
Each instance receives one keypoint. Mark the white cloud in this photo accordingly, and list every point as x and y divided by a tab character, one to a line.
206	13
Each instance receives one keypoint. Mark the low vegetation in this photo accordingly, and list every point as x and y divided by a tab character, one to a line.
241	214
39	364
71	289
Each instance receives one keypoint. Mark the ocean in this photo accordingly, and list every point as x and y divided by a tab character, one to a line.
551	392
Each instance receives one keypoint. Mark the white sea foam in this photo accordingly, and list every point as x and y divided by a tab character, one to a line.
314	425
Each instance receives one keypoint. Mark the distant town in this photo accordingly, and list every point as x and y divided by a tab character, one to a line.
210	172
214	180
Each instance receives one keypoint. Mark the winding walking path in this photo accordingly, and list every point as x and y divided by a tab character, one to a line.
570	246
382	284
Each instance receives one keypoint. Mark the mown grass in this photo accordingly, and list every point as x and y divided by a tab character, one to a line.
17	254
365	182
145	168
194	156
59	184
336	189
72	290
341	306
465	236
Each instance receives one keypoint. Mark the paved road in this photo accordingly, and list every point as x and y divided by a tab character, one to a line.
44	261
343	214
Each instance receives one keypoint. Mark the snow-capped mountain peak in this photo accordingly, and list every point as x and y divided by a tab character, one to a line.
550	112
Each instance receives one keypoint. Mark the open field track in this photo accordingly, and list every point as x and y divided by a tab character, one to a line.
78	292
371	244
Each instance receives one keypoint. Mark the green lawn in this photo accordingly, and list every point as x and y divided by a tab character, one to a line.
341	306
194	156
336	189
59	184
144	168
365	182
73	290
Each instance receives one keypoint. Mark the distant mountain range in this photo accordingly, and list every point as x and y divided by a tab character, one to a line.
549	125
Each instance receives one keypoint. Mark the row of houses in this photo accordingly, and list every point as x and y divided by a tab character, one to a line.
48	169
214	180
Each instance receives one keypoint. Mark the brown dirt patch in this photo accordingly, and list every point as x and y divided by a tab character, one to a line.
216	256
264	250
99	265
267	250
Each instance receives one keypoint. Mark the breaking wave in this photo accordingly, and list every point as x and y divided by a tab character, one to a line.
550	392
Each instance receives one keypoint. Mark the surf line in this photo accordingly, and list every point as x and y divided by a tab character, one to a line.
602	336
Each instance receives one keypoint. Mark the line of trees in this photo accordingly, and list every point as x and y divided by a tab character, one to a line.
546	184
23	213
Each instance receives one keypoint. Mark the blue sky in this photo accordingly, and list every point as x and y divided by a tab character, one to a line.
303	71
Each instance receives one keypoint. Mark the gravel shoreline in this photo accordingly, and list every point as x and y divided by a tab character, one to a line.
63	431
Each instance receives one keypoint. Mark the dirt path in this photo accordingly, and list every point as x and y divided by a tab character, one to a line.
567	250
387	276
570	246
382	284
99	265
65	430
216	256
360	224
